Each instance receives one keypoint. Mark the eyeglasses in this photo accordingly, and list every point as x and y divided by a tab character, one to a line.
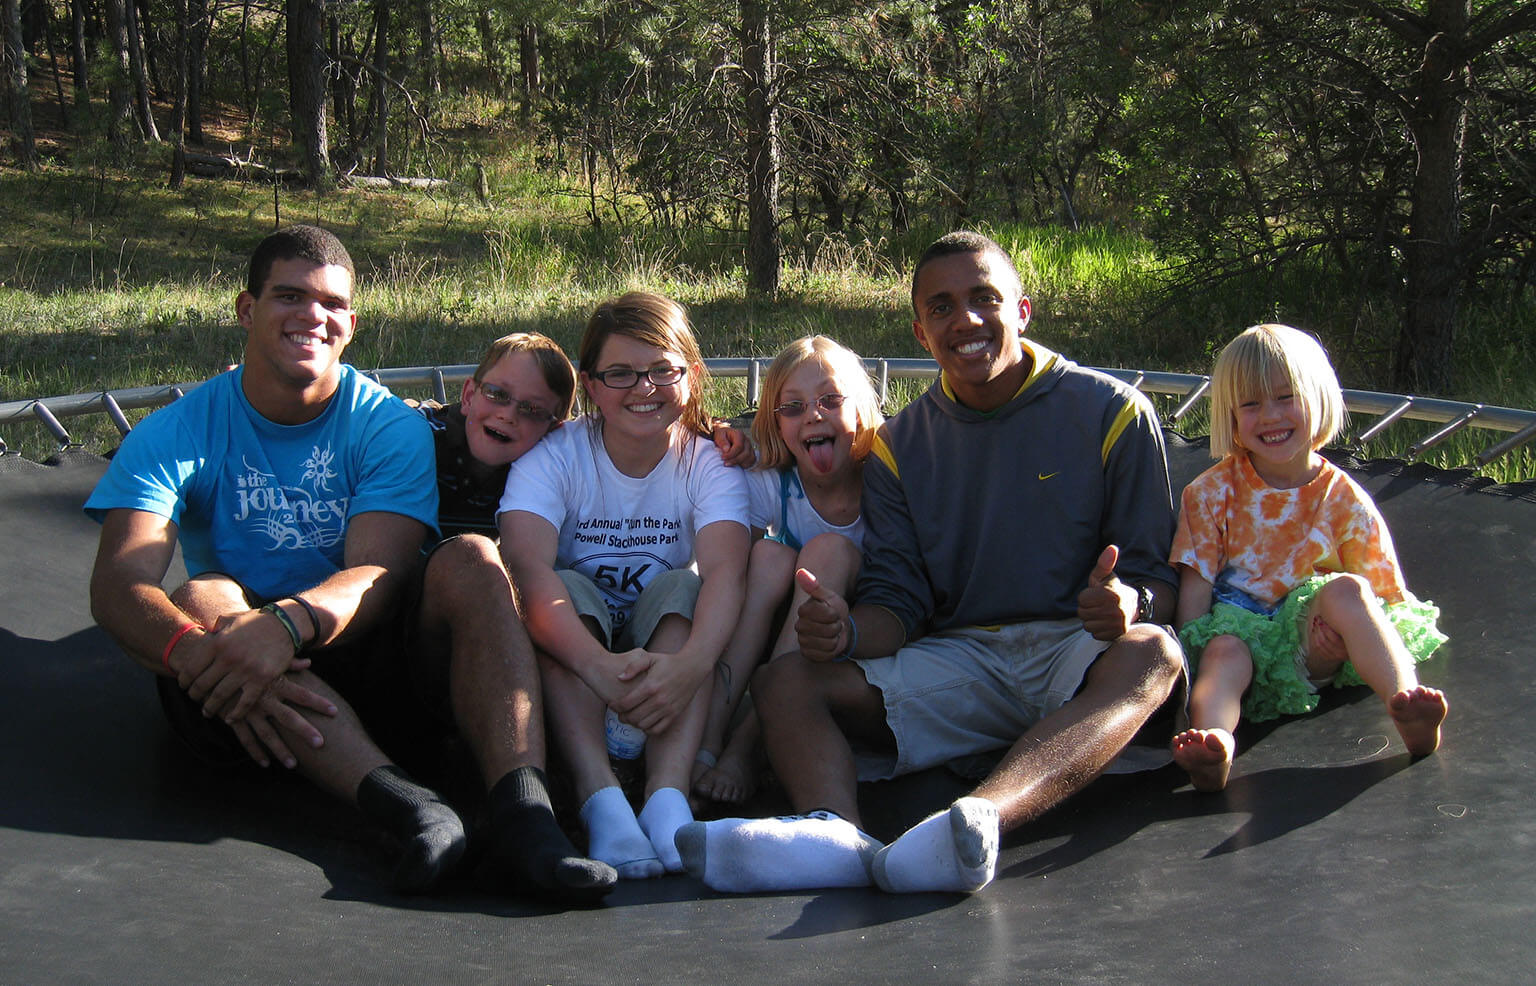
827	402
528	412
625	377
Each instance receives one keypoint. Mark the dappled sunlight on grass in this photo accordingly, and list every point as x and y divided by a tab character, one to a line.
109	279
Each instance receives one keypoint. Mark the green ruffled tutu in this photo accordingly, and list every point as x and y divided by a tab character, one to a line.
1277	688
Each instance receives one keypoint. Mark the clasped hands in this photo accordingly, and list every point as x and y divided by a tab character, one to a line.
238	671
648	689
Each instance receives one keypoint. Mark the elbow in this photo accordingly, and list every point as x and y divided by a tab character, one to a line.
101	597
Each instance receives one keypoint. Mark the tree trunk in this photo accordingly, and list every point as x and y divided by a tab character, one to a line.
120	93
79	66
488	46
528	66
894	177
306	90
762	140
431	77
1433	268
144	109
155	47
197	66
179	74
381	88
20	97
53	65
343	94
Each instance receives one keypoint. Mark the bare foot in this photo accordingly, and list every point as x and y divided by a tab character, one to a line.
1206	755
703	765
1418	712
732	780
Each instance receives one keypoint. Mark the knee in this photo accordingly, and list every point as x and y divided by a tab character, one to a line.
470	562
1156	655
1226	658
1223	651
1349	590
463	554
771	561
785	682
829	553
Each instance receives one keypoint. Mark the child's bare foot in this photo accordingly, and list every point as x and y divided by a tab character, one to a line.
1418	712
730	781
703	764
1206	755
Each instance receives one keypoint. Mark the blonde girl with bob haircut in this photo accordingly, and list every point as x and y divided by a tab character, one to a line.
1265	353
626	534
814	428
1288	577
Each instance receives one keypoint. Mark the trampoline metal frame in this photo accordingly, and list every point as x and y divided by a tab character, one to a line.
1455	416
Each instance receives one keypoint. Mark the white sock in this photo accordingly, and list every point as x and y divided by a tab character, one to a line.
614	836
664	813
955	850
795	852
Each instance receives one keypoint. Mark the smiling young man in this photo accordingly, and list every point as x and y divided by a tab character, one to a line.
1015	572
301	494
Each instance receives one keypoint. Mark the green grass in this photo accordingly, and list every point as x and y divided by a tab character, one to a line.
109	279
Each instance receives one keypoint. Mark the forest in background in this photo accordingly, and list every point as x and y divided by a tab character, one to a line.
1364	169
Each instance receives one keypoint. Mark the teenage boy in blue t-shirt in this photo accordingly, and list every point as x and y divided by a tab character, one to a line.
301	494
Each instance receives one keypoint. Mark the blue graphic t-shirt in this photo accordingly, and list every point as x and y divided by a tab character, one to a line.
264	503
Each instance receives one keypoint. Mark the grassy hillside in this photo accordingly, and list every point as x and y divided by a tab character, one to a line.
110	279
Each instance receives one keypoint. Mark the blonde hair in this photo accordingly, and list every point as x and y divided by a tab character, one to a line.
656	321
1246	369
851	376
551	360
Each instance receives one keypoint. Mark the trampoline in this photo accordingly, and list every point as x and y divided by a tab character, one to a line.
1330	857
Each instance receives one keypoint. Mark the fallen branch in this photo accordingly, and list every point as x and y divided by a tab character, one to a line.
391	181
233	166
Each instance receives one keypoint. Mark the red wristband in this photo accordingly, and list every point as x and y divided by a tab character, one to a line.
165	658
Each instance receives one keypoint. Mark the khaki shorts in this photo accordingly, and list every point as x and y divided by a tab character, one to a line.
674	591
954	695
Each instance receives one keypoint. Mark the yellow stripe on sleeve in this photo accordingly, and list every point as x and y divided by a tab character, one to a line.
882	451
1130	412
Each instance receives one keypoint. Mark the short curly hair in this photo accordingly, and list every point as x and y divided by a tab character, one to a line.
962	241
319	246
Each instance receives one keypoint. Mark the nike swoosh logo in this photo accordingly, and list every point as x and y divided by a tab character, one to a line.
1047	475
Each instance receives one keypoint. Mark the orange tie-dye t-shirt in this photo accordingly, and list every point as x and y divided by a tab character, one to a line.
1265	541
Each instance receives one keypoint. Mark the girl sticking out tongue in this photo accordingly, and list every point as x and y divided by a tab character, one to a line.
815	424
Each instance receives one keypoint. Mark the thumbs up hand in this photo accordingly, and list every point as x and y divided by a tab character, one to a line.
1107	606
822	623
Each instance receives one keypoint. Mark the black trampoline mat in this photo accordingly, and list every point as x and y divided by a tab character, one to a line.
1330	857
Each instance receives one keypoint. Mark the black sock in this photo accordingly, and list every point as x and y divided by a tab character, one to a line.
431	832
527	850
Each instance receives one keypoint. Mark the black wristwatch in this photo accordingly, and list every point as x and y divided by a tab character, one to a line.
1143	604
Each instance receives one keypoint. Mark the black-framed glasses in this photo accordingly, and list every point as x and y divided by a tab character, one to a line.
528	412
625	377
827	402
